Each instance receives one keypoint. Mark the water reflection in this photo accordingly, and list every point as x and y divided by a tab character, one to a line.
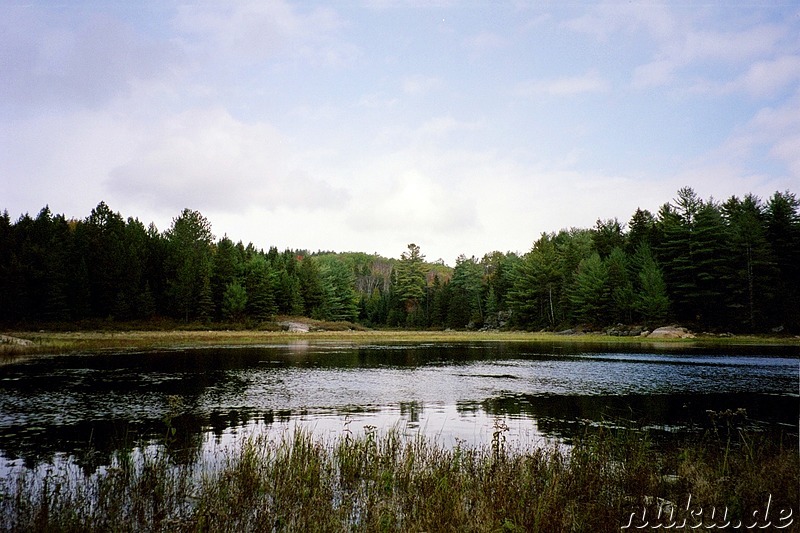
89	406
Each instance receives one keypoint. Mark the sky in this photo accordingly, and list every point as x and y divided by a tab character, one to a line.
462	126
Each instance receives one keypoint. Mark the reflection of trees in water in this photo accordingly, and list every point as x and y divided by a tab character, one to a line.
92	444
571	416
91	407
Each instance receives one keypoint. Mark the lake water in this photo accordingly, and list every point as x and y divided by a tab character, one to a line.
81	408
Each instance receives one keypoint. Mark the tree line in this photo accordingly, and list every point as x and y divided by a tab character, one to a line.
730	266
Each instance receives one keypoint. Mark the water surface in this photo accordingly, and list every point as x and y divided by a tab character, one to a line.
84	407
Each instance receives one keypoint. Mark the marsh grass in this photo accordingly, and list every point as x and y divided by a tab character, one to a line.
391	482
144	336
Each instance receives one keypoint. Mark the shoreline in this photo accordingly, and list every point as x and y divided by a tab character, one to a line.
64	342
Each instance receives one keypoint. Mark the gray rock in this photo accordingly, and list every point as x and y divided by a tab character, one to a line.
671	332
6	339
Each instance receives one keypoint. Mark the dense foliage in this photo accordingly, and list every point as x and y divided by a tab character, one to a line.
729	266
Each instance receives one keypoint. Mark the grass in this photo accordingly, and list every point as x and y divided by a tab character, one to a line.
388	482
115	336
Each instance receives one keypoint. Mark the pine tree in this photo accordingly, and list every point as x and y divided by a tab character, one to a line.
340	301
234	301
190	248
651	301
410	280
782	217
748	287
259	284
311	290
590	294
538	280
619	286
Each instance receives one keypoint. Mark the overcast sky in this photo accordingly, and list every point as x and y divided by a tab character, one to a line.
464	127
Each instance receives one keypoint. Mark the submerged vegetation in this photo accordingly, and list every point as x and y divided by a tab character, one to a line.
730	266
390	482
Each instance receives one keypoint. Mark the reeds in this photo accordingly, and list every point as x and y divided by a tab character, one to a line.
385	481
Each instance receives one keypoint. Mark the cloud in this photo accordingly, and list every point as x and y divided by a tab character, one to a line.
768	77
208	159
440	127
412	203
53	63
689	47
253	32
485	42
611	19
761	155
61	159
419	85
591	82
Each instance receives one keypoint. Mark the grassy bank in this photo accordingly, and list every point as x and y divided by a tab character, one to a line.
166	335
386	482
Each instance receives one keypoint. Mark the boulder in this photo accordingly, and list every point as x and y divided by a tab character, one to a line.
295	327
671	332
6	339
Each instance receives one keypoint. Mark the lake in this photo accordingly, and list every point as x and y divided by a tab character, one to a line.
82	408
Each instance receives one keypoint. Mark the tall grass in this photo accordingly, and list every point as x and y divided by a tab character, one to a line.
390	482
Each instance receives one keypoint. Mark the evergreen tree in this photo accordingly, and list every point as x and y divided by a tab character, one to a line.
782	216
641	230
226	266
606	236
234	301
440	300
338	283
573	246
311	290
101	239
620	287
538	281
189	244
466	294
711	260
677	252
651	300
259	284
410	280
749	288
590	295
499	269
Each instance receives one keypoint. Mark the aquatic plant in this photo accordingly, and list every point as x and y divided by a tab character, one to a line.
391	482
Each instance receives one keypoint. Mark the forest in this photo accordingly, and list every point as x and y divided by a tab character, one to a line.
714	266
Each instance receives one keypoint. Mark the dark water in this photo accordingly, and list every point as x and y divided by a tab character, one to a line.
83	408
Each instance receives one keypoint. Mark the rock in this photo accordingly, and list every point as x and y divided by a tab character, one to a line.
621	330
671	332
6	339
295	327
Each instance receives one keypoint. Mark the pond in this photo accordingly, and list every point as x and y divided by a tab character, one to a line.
82	408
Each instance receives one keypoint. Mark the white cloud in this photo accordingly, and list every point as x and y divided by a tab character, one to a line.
252	32
49	64
485	42
225	111
440	127
770	139
419	85
410	204
692	47
591	82
765	78
208	159
609	19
